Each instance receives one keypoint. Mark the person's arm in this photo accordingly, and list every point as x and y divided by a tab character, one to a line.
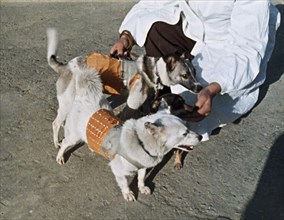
139	20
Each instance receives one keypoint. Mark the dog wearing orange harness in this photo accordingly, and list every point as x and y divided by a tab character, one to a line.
138	78
131	146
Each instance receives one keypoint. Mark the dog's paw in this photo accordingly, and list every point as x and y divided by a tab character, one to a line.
145	190
57	145
129	196
177	166
60	159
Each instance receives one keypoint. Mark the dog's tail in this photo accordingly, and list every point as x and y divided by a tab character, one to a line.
52	44
90	88
89	85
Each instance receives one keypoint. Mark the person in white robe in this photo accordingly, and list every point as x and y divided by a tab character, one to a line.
233	42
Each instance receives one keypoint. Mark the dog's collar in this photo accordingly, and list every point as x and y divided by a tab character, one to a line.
123	71
154	83
133	161
143	146
128	77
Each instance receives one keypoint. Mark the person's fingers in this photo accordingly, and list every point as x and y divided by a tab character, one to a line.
205	96
117	48
202	105
113	50
205	109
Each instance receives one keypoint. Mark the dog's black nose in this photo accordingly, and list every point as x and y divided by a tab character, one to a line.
197	88
199	137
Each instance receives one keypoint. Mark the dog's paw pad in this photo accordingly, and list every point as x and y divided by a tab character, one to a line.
145	190
177	166
129	196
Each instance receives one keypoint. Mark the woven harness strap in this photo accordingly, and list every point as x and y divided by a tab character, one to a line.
101	122
111	71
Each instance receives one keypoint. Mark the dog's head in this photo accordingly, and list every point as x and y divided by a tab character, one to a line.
171	103
171	132
178	70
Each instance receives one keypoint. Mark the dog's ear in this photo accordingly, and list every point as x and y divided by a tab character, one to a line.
170	62
152	128
186	55
164	105
155	106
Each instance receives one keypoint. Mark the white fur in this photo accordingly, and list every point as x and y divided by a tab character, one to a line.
52	42
159	133
170	133
162	69
88	99
79	93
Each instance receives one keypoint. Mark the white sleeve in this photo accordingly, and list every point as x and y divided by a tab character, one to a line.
140	18
239	63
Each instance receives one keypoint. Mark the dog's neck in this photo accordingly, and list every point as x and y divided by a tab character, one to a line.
141	143
149	70
150	141
129	70
147	67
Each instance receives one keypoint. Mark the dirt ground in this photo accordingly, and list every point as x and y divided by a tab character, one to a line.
238	174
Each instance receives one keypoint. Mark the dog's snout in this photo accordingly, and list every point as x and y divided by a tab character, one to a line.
199	137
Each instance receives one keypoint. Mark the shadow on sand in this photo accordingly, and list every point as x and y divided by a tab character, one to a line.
268	199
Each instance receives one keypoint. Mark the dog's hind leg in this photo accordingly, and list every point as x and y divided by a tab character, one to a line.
137	94
141	183
56	124
59	121
64	146
65	100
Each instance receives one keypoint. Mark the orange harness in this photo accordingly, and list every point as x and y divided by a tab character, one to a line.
111	71
101	122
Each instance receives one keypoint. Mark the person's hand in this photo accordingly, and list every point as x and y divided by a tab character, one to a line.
204	98
123	46
204	102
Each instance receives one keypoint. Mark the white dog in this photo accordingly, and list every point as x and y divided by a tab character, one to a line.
138	76
134	146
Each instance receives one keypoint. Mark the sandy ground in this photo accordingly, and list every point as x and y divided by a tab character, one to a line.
239	173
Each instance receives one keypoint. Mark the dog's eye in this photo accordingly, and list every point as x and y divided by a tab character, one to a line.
185	133
185	76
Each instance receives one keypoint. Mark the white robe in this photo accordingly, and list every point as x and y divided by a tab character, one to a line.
234	41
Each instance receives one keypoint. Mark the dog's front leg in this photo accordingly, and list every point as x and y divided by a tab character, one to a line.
137	94
141	184
178	162
126	192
